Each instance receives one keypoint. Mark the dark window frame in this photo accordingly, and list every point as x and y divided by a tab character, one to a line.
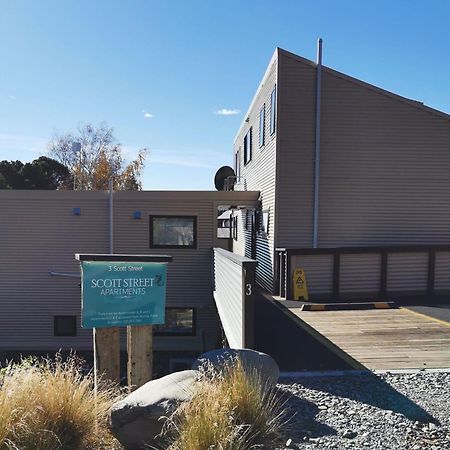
171	216
58	333
192	333
273	110
248	147
262	118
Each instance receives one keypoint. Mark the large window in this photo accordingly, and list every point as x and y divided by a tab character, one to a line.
273	110
262	115
248	147
173	231
179	322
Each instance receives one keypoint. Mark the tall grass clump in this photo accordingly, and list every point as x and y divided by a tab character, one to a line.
52	405
232	409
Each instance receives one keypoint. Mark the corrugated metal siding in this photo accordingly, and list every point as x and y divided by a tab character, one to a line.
360	274
384	168
259	174
295	152
39	233
228	296
442	272
319	273
407	272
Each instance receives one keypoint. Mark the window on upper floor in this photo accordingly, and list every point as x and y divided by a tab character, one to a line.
273	110
173	231
248	147
237	163
262	116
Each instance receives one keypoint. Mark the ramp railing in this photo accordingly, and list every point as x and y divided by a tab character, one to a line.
234	285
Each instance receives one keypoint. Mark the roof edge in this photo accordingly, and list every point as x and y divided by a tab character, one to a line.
261	84
415	103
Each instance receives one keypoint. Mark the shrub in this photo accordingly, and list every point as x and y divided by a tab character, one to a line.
232	410
52	405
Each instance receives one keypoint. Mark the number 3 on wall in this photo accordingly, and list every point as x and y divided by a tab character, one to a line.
248	289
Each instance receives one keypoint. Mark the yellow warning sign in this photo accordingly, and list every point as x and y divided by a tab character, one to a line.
300	286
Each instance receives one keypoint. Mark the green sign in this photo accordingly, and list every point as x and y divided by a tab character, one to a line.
116	294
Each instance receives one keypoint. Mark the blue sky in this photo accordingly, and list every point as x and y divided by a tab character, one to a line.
180	62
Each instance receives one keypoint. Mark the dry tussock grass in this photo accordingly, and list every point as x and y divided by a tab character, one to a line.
232	410
51	405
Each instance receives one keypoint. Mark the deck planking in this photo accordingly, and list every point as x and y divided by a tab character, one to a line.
384	339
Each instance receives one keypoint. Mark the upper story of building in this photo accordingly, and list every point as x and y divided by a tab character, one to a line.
381	176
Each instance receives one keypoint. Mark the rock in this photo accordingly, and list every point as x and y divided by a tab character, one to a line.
138	418
252	360
349	434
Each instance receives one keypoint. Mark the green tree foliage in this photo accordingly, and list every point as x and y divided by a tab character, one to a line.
93	156
42	173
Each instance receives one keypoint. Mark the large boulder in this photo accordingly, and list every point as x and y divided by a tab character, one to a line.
252	362
138	418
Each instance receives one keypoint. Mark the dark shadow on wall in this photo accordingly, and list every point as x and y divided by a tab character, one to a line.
291	346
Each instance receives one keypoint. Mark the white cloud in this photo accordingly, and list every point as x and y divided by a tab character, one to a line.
227	112
147	115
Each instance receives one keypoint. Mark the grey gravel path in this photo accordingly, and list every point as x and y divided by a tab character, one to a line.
388	411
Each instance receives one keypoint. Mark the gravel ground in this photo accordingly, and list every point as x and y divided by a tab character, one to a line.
366	411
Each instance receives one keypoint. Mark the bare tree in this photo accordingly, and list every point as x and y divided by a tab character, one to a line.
93	156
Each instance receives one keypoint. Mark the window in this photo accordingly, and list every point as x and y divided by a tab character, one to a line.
179	322
273	110
265	222
235	228
262	115
64	325
237	163
173	231
248	147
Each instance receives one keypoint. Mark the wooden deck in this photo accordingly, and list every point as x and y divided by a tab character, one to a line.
383	339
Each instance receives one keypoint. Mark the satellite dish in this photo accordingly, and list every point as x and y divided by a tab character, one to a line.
221	177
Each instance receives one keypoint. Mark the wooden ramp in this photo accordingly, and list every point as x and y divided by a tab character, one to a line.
383	339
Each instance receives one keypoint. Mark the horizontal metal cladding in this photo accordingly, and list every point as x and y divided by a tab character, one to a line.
318	271
442	272
384	168
228	296
407	272
189	277
359	274
295	151
260	172
39	233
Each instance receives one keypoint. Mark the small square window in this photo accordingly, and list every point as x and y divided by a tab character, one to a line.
273	110
179	322
64	325
173	231
262	115
248	147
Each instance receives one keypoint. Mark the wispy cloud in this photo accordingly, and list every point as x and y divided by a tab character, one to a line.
227	112
147	115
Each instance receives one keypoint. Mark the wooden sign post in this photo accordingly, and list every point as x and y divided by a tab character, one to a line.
123	290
